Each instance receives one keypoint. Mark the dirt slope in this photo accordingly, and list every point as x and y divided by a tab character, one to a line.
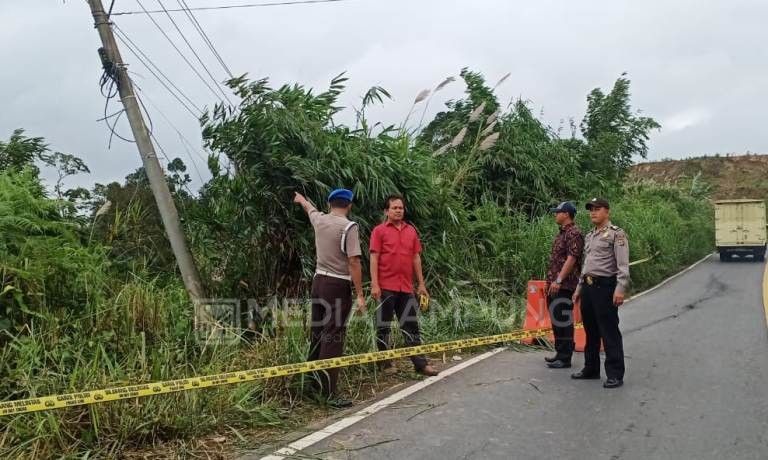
744	176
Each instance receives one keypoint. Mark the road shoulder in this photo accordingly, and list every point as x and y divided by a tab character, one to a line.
375	406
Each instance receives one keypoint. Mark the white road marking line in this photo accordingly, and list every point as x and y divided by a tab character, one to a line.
330	430
765	294
312	439
680	273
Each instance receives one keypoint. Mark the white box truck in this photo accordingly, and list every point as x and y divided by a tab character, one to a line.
740	228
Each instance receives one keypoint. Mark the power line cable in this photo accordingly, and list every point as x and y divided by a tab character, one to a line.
189	150
109	95
229	7
111	5
138	53
144	95
165	155
197	56
206	39
109	89
183	56
149	64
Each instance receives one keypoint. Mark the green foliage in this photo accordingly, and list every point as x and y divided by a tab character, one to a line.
446	125
126	219
94	303
281	141
42	258
614	134
21	152
66	165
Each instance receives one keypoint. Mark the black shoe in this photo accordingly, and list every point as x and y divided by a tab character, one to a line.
585	374
559	364
427	371
551	359
339	403
613	383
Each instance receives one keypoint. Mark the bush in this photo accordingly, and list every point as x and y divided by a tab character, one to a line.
93	303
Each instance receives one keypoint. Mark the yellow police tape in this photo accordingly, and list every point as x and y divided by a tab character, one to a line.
193	383
636	262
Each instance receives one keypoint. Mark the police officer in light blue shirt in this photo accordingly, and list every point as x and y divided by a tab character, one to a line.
603	284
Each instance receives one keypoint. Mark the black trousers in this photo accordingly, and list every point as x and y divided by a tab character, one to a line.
331	305
404	306
561	315
601	322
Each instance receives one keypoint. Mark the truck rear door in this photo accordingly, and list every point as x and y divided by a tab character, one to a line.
731	222
753	223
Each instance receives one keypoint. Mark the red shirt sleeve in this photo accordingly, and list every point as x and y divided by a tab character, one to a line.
375	245
416	243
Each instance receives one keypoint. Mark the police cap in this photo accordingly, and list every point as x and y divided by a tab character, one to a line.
341	194
598	203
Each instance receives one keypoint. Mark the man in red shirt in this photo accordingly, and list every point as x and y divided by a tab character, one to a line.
395	256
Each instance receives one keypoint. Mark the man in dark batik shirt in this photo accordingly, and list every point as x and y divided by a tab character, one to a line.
562	279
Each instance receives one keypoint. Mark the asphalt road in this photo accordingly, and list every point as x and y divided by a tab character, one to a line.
696	387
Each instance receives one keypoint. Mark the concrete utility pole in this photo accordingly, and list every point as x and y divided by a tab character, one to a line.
152	166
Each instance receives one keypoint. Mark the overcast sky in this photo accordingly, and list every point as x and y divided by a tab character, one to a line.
700	67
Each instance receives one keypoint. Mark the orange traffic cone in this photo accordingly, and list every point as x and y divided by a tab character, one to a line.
537	314
536	309
579	336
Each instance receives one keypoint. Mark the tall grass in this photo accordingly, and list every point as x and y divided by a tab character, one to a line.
79	311
140	332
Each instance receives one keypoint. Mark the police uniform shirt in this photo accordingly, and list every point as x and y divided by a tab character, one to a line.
331	231
606	254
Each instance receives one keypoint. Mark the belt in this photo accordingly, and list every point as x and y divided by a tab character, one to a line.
333	275
599	280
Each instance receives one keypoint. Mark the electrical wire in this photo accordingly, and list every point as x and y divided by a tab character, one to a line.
191	16
165	155
149	64
229	7
151	130
119	113
192	48
183	56
109	89
184	140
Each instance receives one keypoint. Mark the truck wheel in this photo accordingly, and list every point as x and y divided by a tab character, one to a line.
760	257
724	257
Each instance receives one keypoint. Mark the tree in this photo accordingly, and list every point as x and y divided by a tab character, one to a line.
21	152
283	140
446	125
613	133
508	157
41	256
66	165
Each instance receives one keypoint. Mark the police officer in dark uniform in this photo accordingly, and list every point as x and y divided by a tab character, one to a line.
601	289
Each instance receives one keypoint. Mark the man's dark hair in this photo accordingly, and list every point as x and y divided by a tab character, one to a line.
339	203
393	197
572	215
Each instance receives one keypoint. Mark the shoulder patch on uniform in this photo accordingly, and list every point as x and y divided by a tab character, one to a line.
346	230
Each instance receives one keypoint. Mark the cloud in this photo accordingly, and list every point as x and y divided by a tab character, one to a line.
687	119
699	66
